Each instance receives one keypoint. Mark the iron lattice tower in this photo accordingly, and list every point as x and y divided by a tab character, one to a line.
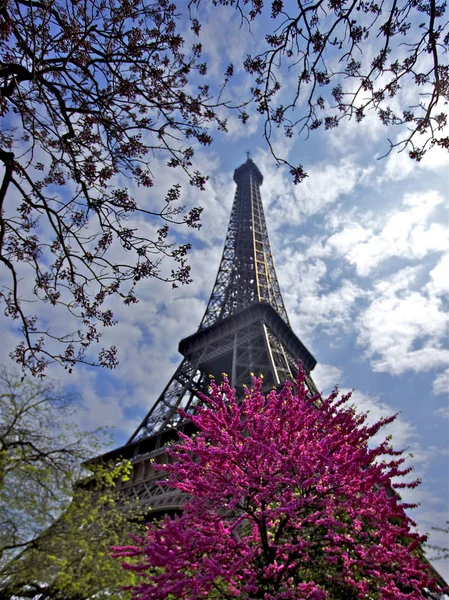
245	330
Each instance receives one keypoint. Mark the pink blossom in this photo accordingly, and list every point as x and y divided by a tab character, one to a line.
286	500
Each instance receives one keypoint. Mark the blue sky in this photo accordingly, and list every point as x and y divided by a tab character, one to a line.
361	252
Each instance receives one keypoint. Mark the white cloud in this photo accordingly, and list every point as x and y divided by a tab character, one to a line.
310	303
326	377
406	233
219	50
326	183
439	277
236	129
400	166
349	238
441	386
403	330
332	309
442	412
437	158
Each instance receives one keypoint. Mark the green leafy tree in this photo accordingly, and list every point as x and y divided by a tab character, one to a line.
57	524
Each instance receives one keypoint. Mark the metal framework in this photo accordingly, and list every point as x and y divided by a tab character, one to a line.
245	328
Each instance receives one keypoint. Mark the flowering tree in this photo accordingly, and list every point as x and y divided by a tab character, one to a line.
90	93
286	500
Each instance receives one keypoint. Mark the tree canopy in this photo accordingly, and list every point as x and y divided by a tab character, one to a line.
93	94
325	61
287	498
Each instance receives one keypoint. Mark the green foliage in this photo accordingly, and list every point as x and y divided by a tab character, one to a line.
57	523
39	458
71	560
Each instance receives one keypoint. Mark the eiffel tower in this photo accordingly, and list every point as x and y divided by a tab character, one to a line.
245	330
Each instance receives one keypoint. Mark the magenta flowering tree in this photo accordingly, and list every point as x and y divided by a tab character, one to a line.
286	499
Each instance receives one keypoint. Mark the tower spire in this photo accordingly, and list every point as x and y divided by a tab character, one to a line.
246	273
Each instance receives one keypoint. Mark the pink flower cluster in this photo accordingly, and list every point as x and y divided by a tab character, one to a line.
286	500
